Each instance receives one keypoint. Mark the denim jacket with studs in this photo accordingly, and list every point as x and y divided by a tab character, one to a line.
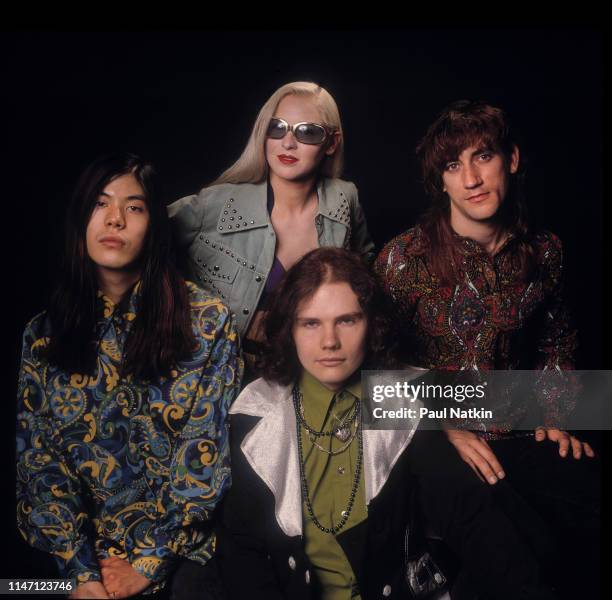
229	242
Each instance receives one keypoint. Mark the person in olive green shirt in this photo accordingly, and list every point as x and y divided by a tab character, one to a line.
321	508
330	474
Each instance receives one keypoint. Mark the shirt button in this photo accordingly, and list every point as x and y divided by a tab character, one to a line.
292	563
341	470
387	591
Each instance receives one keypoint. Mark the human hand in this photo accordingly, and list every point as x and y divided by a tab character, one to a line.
120	579
564	440
91	589
477	453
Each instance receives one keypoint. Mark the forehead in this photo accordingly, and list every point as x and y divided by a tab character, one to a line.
295	108
123	186
462	143
331	300
468	152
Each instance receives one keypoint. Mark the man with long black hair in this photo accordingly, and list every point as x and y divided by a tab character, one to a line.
124	387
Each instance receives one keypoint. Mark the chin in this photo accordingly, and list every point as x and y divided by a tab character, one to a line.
292	173
484	214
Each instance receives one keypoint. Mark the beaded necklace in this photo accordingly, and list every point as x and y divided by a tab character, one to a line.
341	431
300	422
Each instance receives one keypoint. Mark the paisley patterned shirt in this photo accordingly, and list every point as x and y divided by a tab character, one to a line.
493	319
115	466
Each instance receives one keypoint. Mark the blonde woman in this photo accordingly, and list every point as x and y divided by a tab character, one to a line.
279	200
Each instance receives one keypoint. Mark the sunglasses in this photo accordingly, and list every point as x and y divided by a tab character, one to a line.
305	133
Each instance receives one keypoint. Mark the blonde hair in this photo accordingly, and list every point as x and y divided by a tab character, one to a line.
252	166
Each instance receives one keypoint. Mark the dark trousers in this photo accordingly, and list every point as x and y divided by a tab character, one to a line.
191	581
506	549
543	492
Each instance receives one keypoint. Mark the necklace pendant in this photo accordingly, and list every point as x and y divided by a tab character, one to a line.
342	433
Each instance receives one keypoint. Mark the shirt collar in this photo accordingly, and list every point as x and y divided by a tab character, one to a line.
320	398
126	309
468	246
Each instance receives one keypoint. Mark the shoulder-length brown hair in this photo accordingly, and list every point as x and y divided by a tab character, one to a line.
279	361
463	124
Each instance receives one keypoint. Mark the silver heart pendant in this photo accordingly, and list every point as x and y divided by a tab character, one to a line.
343	434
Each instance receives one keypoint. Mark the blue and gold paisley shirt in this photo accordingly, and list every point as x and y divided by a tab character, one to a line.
111	465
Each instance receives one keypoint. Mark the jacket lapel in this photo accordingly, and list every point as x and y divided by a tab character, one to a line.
271	450
381	450
245	208
333	204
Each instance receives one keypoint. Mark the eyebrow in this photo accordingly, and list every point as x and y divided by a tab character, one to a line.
353	315
481	149
478	150
131	197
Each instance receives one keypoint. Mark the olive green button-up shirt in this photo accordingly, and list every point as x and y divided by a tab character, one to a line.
330	480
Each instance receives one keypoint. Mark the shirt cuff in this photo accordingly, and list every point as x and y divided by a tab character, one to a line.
82	566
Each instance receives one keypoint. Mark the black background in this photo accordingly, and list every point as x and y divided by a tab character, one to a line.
187	101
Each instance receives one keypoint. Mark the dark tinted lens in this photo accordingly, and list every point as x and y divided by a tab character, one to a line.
277	129
309	133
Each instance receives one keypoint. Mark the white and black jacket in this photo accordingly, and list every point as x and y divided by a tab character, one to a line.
260	538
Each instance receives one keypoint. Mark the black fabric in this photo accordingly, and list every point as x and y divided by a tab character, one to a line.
254	554
556	505
190	580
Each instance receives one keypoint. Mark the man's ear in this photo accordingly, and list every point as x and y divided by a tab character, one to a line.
514	159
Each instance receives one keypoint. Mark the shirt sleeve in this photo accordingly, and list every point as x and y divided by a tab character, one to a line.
199	473
186	216
51	515
398	275
556	342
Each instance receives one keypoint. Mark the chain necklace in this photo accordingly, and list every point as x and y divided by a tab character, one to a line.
334	529
342	431
340	450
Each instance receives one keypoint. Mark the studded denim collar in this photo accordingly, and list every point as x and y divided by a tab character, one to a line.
247	208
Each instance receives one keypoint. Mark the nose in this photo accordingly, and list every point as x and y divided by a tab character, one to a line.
471	176
289	141
114	217
330	339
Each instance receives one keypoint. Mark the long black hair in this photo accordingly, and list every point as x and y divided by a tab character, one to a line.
161	333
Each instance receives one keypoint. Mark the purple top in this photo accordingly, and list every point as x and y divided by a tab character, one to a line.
277	271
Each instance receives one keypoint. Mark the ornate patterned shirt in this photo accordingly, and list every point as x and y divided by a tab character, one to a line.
112	465
492	319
